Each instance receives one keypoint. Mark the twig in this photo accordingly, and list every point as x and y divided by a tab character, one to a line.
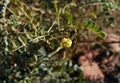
54	52
102	42
93	4
51	26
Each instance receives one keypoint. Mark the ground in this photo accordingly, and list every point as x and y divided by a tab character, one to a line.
101	64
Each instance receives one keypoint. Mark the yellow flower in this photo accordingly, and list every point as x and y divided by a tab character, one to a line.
66	43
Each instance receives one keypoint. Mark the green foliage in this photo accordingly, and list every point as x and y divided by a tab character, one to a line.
33	30
93	27
101	34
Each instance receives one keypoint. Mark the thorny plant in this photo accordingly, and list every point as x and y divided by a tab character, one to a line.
32	31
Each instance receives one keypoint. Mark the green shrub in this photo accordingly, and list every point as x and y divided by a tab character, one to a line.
32	33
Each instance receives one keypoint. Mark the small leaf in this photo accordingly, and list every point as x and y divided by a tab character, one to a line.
15	43
90	25
58	73
93	15
69	17
10	47
105	7
97	28
101	34
1	27
6	40
84	24
36	58
29	35
22	40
